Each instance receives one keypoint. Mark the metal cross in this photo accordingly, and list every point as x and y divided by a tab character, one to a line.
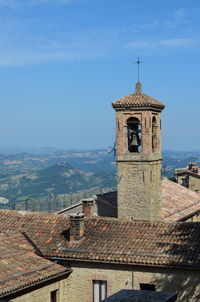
138	62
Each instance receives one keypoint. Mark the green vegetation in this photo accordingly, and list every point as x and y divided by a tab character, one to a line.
52	180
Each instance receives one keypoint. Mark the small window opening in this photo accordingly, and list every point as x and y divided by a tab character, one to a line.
146	286
99	290
184	182
134	134
154	134
54	296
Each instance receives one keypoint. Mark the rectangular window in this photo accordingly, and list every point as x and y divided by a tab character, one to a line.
54	296
99	290
146	286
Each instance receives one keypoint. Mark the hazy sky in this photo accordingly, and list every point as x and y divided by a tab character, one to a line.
62	63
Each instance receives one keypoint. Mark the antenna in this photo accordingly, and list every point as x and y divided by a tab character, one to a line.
138	62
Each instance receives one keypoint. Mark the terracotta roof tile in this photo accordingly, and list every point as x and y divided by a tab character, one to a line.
188	172
178	201
136	242
137	100
20	267
44	229
108	239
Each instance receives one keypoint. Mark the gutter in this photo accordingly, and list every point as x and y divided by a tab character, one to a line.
126	263
32	285
188	216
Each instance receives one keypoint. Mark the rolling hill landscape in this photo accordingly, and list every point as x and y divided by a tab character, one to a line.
63	177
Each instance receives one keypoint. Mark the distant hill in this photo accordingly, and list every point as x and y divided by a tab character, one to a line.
58	179
93	161
36	175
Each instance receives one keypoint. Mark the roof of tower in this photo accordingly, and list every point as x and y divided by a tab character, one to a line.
137	99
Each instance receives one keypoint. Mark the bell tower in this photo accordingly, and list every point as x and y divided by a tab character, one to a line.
138	156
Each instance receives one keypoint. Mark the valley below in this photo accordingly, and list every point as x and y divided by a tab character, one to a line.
49	180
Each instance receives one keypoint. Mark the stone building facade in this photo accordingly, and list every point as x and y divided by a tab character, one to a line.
184	283
57	290
138	156
24	275
75	253
189	178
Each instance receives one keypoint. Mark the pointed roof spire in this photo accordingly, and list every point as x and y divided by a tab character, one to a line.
138	87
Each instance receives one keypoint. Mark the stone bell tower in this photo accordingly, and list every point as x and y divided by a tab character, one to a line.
138	156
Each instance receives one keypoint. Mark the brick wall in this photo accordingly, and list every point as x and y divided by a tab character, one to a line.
139	174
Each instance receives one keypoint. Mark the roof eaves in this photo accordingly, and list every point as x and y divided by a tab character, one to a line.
31	284
127	263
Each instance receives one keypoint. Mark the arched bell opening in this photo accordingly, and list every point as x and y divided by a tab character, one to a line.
154	134
134	134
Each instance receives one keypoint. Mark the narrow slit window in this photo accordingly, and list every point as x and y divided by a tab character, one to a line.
134	135
154	134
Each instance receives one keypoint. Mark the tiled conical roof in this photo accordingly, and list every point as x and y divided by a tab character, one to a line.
137	99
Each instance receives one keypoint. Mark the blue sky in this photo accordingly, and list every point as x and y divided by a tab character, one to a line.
62	63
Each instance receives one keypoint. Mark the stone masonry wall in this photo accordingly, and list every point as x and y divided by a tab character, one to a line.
44	293
80	282
139	173
194	183
139	190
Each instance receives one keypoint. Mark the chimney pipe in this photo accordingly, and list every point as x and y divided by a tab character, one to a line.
88	207
76	226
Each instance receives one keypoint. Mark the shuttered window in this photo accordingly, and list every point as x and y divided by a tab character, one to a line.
99	290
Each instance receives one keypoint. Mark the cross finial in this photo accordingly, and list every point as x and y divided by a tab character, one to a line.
138	62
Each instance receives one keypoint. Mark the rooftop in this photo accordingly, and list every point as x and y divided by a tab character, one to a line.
143	243
20	267
137	99
178	202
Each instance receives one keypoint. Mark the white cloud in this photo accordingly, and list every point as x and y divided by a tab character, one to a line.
174	43
177	43
30	59
179	18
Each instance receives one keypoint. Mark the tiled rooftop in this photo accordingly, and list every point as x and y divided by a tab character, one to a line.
189	172
44	229
137	100
136	242
178	201
21	267
119	241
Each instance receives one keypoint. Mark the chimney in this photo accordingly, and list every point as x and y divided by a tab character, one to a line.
193	167
88	207
76	226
